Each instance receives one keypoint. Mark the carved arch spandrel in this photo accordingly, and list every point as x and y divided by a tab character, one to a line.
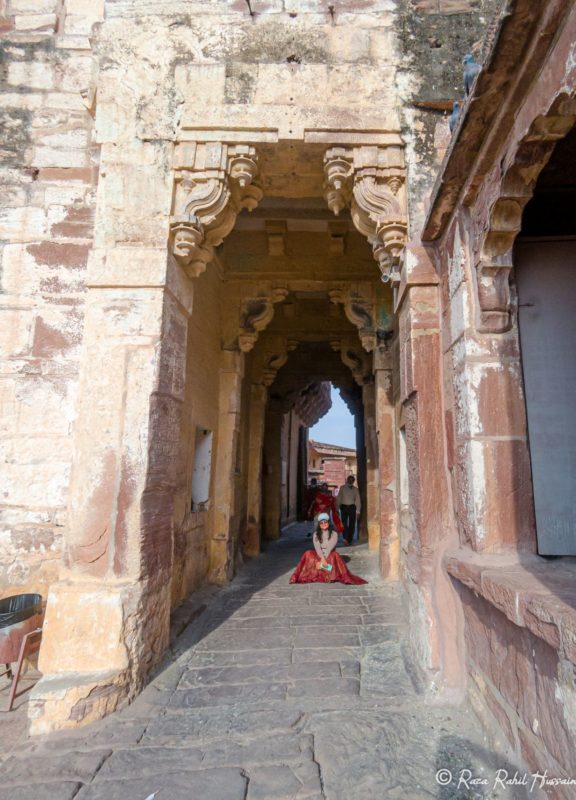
213	182
494	260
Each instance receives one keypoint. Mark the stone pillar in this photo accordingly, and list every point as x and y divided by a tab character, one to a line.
434	608
372	509
389	540
361	478
272	479
107	619
258	401
222	539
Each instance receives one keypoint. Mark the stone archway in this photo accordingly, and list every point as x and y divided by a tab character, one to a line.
121	564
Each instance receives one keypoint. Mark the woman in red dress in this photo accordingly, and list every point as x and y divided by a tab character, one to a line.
323	564
325	503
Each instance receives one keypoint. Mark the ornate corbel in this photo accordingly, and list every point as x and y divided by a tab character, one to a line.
356	359
371	181
359	314
213	183
494	266
256	315
271	358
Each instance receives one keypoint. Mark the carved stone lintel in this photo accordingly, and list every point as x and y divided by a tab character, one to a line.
213	183
371	181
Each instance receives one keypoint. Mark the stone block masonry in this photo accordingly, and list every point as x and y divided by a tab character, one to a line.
48	178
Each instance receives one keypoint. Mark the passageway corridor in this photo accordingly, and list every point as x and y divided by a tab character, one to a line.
273	692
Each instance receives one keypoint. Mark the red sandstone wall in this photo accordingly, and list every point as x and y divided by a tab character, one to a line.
48	175
523	683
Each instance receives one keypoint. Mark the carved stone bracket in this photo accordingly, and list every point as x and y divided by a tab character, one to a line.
496	240
256	315
213	183
355	358
371	180
271	358
358	310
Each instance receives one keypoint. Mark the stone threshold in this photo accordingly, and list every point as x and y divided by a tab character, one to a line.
531	592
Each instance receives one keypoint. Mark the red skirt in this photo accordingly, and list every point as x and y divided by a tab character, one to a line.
307	570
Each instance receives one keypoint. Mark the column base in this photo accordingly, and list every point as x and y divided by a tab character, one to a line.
98	645
58	702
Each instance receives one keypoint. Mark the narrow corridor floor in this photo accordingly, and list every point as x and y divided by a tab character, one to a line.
275	691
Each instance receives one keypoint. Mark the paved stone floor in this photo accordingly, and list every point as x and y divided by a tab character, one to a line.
272	692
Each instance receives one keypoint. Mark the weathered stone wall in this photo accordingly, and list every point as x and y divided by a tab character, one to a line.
48	177
523	682
433	36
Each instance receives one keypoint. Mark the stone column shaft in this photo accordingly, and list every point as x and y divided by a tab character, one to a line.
272	482
222	539
107	619
386	427
372	510
258	401
434	605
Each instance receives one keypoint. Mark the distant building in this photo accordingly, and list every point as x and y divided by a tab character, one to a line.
330	463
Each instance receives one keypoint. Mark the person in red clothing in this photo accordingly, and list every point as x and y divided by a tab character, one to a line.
324	564
325	502
311	492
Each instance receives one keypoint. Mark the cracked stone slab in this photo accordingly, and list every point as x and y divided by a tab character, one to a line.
258	673
220	784
383	674
41	769
227	695
304	639
100	736
50	791
154	761
233	639
312	620
318	655
323	688
282	782
213	723
240	657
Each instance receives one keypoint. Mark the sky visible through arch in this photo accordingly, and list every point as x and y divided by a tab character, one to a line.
337	426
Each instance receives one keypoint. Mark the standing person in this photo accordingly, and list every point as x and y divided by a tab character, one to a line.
323	564
350	507
325	502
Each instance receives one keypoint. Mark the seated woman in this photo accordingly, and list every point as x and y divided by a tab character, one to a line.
323	564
